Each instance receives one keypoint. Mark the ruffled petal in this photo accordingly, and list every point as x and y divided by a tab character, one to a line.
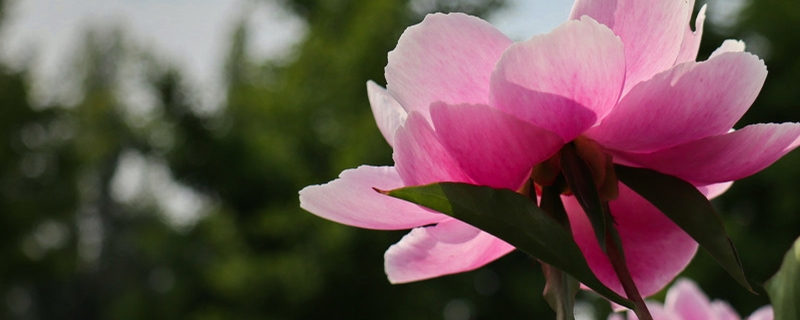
688	102
494	148
446	248
652	31
419	156
389	114
726	157
448	58
729	45
691	39
564	81
351	200
656	249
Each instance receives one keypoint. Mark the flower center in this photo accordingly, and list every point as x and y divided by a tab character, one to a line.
599	162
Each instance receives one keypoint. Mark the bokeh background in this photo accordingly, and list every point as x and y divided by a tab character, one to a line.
129	189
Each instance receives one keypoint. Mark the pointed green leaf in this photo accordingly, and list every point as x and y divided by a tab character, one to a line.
513	218
690	210
784	287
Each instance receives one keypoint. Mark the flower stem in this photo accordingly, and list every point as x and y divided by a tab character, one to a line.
559	292
580	178
617	258
560	288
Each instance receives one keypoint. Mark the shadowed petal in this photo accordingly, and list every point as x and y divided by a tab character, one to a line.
389	115
447	57
655	248
652	31
419	156
494	148
688	102
351	200
449	247
564	81
724	157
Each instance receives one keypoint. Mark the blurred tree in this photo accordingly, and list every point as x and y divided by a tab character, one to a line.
89	227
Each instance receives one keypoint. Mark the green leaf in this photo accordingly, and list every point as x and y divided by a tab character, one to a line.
580	181
513	218
784	287
690	210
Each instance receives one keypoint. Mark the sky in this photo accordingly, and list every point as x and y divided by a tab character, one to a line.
194	34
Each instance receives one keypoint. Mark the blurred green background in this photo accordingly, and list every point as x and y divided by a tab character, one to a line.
85	186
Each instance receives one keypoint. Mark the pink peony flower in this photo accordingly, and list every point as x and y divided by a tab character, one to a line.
685	301
464	103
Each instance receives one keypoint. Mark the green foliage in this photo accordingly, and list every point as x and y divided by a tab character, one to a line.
515	219
784	287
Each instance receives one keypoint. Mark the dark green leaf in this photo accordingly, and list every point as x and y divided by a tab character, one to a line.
690	210
580	181
784	287
513	218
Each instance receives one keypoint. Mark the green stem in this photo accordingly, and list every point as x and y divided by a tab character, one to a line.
560	288
617	258
580	180
559	292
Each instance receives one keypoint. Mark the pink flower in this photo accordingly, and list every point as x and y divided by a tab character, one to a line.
685	301
464	103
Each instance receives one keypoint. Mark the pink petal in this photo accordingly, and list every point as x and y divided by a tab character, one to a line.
688	102
763	313
564	81
616	316
449	247
691	39
652	31
686	300
351	200
602	11
723	311
492	147
448	58
419	156
389	114
655	248
728	46
724	157
715	190
656	310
